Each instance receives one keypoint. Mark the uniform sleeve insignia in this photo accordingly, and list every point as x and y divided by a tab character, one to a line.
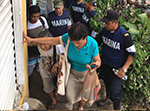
126	34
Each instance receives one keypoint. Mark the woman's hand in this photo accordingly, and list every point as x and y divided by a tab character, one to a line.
27	40
54	70
97	64
97	61
93	64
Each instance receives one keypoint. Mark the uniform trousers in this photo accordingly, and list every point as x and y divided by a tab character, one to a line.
113	84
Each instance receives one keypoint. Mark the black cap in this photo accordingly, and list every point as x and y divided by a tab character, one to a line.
110	15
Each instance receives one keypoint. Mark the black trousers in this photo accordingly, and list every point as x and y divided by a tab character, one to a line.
113	84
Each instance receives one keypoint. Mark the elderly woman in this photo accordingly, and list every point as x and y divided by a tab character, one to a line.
82	51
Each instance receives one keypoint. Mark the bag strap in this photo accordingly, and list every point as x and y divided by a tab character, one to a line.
65	49
42	21
54	54
68	41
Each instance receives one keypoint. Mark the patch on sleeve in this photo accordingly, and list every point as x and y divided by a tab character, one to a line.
126	34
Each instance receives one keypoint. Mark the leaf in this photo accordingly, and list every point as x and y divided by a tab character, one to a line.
143	18
144	81
133	28
131	87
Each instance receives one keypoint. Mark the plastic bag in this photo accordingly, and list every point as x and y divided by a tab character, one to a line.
91	87
24	106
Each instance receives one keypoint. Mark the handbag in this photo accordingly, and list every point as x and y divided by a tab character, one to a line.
64	69
91	87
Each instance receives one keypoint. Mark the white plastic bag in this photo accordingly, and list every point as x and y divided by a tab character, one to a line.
24	106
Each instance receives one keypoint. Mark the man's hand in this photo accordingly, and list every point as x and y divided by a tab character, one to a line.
27	40
120	73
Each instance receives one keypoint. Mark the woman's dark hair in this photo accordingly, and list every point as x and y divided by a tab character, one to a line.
44	33
34	9
78	31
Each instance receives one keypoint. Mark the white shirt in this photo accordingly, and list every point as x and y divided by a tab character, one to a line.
37	24
50	54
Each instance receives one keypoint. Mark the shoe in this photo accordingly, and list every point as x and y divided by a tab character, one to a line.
103	102
117	105
51	106
81	109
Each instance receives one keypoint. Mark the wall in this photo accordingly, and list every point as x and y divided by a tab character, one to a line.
12	54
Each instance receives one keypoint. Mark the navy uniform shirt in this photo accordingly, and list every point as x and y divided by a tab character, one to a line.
58	24
77	11
116	46
85	19
67	3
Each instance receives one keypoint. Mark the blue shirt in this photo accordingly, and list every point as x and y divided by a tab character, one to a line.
85	19
77	11
114	46
80	58
58	24
67	3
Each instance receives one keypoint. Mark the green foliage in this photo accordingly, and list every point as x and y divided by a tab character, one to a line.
102	6
134	28
96	24
137	88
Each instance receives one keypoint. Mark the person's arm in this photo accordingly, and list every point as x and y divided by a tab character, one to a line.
130	48
54	69
32	44
69	27
128	62
44	40
96	61
69	24
99	38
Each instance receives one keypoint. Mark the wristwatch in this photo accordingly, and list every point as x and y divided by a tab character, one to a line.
124	69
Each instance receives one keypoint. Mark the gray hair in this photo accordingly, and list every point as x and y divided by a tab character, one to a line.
44	33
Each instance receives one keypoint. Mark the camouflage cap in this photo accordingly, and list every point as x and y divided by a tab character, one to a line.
58	3
87	1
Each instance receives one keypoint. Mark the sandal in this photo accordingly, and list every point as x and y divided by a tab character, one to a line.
56	93
57	97
51	106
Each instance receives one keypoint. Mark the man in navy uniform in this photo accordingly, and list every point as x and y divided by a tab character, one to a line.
118	52
59	19
77	10
89	12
